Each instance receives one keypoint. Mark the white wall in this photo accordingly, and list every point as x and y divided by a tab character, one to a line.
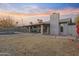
72	30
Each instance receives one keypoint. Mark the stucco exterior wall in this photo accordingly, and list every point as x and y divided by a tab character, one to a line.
54	24
72	30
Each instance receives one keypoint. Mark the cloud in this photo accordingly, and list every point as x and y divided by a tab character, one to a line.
30	9
66	11
35	9
6	7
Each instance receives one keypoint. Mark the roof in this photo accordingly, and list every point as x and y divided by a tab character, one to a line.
44	23
65	20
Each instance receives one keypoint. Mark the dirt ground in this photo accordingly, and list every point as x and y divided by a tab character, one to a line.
28	44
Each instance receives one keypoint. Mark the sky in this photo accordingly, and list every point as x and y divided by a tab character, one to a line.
40	8
30	9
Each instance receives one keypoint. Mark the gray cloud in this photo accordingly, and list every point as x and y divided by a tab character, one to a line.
23	9
32	9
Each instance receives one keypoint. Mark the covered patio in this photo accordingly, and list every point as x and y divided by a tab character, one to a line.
38	28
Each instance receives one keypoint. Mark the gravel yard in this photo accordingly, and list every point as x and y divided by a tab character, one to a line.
29	44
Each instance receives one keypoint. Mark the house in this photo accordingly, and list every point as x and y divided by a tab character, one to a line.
55	26
52	24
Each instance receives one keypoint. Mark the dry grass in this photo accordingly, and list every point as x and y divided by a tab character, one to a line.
36	44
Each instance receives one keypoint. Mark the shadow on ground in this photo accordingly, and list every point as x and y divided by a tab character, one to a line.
7	33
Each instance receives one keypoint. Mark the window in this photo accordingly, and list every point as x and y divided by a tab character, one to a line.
61	28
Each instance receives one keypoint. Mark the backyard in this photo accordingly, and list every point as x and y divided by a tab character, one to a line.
29	44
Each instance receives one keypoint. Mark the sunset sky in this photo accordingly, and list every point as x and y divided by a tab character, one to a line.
29	11
40	8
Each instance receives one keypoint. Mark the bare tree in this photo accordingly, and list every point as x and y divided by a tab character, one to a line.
7	22
31	23
40	21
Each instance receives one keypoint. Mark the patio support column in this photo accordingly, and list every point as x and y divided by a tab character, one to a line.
47	30
42	29
29	29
